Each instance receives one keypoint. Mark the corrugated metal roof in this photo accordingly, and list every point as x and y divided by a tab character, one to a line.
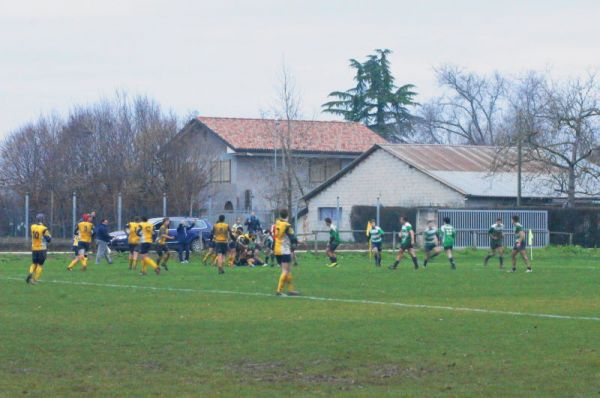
450	157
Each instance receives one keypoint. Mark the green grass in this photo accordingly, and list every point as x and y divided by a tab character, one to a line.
71	339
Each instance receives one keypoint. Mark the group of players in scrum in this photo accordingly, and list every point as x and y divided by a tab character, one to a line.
278	244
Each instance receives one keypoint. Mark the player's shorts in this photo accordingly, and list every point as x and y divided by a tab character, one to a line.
134	247
145	248
406	246
160	249
83	247
231	245
284	258
75	250
520	246
495	245
332	246
38	257
221	247
448	247
211	244
429	247
376	245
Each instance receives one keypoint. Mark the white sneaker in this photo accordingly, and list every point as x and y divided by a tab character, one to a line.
529	270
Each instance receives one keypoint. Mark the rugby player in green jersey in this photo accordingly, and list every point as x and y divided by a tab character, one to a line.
520	246
448	236
432	242
496	235
407	244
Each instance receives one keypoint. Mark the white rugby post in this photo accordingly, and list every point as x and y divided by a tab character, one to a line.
337	212
27	216
378	211
164	204
74	211
119	211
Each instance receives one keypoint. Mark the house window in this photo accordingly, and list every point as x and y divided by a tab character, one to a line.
320	170
220	171
330	212
248	200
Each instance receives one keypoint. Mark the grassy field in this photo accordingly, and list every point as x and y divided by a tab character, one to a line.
190	332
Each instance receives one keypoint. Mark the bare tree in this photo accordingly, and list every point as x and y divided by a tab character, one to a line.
289	134
558	127
469	112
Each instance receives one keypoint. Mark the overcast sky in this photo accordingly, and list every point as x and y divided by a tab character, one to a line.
221	58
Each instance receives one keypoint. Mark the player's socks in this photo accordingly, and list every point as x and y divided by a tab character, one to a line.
130	263
452	263
38	273
425	263
281	284
151	263
415	262
32	268
290	286
72	264
395	265
529	269
487	258
513	269
501	259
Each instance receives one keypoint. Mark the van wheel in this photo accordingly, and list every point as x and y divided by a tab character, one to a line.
197	245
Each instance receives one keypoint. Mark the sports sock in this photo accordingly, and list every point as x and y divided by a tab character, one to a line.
38	272
487	258
415	262
84	261
151	263
501	259
289	282
425	263
435	254
75	260
130	263
32	268
282	280
451	259
396	263
378	258
333	259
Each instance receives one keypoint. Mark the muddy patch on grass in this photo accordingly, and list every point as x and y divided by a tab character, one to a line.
344	377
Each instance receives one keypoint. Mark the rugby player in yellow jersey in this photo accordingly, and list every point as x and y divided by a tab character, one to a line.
145	231
221	235
133	239
85	230
162	249
283	239
40	236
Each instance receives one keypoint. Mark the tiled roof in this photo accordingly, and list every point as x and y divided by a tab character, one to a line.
308	136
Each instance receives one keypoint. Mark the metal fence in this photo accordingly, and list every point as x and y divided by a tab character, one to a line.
472	225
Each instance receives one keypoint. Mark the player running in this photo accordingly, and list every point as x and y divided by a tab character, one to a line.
432	242
284	238
520	245
162	249
133	239
145	230
221	235
334	241
375	234
85	230
448	235
496	235
40	237
407	244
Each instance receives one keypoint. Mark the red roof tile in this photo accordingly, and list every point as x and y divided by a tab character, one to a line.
309	136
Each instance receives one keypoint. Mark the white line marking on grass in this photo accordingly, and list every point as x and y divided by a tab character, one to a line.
332	299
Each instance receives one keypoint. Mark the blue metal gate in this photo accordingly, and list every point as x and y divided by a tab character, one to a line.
472	225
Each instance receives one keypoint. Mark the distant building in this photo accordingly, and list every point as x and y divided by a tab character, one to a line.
246	155
423	176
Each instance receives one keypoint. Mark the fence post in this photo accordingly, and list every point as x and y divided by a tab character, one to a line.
571	239
27	216
315	242
393	240
474	239
120	212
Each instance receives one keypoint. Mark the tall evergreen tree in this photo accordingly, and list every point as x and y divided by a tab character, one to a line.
375	100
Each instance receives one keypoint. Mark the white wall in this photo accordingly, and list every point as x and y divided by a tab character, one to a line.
383	175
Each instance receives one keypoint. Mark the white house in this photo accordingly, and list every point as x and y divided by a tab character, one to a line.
422	176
